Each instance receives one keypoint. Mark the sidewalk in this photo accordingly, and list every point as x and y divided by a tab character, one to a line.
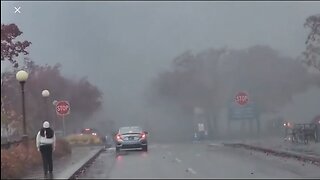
64	168
276	143
280	144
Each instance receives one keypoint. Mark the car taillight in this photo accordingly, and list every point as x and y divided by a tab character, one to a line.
143	136
119	138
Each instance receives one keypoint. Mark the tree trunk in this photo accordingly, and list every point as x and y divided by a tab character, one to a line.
215	126
210	130
258	126
242	128
251	126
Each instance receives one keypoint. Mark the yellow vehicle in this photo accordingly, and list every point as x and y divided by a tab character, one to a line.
87	136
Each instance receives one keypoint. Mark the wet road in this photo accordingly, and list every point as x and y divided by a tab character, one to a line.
197	161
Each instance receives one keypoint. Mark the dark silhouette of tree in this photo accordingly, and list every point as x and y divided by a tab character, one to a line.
312	52
210	80
11	48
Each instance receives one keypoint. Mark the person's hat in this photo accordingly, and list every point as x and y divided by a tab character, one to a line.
46	124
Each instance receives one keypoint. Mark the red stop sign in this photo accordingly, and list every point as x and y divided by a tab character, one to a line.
242	98
62	108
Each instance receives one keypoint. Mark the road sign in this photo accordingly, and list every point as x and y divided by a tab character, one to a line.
201	127
242	98
63	108
237	112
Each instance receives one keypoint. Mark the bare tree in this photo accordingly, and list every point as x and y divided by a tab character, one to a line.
312	52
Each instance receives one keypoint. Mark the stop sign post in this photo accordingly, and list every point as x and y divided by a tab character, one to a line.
242	98
63	109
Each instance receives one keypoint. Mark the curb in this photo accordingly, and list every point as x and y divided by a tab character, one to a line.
85	165
313	159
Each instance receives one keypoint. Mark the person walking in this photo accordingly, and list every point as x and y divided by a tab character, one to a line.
46	142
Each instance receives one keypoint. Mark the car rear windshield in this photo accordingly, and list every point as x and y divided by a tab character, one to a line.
87	131
125	130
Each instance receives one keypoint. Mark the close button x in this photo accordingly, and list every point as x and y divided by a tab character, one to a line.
17	10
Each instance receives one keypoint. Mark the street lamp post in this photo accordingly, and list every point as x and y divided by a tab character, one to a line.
22	77
45	94
54	103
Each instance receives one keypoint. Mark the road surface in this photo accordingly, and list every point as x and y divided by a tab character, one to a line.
197	160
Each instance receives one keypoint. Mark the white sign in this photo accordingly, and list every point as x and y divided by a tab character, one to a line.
201	127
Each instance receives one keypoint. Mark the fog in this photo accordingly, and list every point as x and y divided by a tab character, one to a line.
121	46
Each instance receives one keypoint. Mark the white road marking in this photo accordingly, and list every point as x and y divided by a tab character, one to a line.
178	160
111	149
191	171
215	144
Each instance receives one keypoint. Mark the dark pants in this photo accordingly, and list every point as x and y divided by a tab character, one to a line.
46	153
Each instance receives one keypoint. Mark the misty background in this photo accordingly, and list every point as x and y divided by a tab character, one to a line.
121	46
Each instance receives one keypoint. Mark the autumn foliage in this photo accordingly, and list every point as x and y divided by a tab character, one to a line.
16	161
10	47
312	52
84	98
85	139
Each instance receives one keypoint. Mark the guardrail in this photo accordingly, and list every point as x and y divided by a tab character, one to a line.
313	159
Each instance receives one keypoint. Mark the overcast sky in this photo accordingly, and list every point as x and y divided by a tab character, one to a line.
121	45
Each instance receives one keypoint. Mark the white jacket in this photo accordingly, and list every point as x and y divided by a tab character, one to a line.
45	141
